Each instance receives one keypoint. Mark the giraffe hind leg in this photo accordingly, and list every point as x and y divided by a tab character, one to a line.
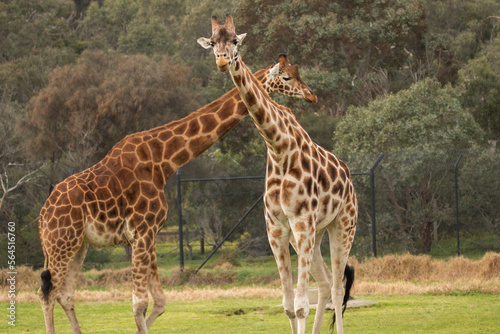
52	281
59	258
281	252
141	266
339	252
66	296
156	291
323	278
47	300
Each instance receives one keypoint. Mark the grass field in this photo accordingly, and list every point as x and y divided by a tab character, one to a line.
240	295
458	313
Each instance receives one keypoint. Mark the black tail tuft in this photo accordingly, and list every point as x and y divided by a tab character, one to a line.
349	280
46	284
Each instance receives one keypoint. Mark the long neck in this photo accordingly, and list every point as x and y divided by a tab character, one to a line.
276	123
173	145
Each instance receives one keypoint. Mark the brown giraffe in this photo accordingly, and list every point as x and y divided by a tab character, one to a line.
308	191
121	199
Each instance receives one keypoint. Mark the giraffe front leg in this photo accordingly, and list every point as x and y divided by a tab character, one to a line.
156	291
141	261
278	239
304	235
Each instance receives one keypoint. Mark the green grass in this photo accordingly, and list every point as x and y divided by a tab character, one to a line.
461	313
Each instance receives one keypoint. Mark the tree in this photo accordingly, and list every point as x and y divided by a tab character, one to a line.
417	127
480	84
34	38
360	46
104	24
154	28
18	188
465	24
14	169
88	107
426	116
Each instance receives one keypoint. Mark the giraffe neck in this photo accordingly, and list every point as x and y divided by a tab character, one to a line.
171	146
276	123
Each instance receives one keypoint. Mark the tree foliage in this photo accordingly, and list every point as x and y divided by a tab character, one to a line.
418	127
360	44
89	106
426	116
480	82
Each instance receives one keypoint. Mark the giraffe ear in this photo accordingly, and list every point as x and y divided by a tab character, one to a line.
275	70
241	38
204	42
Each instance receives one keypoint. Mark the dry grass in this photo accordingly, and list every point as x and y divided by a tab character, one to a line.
409	274
392	274
185	295
424	269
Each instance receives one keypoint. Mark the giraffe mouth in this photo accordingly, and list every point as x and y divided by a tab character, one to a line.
222	64
311	98
222	68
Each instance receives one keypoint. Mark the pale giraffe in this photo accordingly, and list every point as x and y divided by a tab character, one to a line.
308	191
121	199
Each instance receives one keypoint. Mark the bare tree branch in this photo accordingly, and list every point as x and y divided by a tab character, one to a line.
4	181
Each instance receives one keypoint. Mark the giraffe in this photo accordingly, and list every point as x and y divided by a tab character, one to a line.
121	199
307	191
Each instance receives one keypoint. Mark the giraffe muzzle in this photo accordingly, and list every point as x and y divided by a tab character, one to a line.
311	98
222	64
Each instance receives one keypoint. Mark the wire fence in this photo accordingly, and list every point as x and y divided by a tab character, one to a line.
439	202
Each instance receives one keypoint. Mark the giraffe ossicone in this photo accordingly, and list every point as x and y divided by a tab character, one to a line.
121	200
308	191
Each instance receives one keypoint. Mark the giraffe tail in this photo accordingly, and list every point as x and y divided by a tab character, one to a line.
46	284
349	280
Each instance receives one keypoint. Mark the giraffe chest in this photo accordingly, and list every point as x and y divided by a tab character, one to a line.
290	199
304	195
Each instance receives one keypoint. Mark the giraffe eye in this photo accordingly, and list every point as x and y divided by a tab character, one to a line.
287	78
235	42
212	44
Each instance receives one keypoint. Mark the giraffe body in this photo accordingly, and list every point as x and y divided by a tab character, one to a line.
121	200
308	191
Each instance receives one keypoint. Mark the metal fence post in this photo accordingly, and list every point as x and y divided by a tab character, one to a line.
179	210
456	203
372	194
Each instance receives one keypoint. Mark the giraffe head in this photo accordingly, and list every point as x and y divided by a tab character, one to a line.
285	79
224	42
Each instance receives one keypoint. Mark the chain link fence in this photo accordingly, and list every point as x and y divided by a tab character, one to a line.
413	192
